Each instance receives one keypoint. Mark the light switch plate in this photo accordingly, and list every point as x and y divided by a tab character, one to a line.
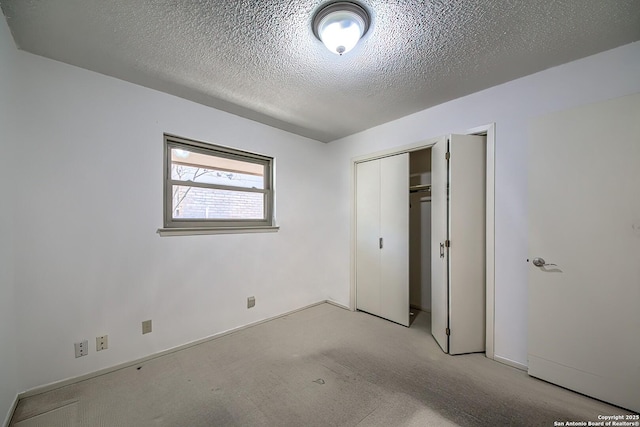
146	327
251	302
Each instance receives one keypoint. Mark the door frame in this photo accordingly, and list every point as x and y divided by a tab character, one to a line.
485	130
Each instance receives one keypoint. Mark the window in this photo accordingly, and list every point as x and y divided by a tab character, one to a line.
208	187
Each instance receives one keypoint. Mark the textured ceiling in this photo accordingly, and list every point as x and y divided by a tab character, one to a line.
259	59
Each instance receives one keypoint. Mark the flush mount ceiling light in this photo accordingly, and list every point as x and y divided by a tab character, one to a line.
340	25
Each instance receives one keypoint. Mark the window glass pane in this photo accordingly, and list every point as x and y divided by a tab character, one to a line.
197	167
203	203
214	186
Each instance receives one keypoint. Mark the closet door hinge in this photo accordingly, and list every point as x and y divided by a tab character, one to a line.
447	243
448	331
448	155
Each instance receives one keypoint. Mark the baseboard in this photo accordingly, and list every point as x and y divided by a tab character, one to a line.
62	383
337	304
9	415
510	362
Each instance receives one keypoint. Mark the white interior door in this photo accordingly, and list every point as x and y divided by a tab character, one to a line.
439	285
458	268
367	235
467	212
584	216
382	237
394	231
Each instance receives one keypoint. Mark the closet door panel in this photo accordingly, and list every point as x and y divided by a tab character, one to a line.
367	235
394	230
439	285
467	172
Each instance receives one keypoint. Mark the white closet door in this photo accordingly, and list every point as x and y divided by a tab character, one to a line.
584	216
439	286
467	211
382	238
458	216
367	235
394	231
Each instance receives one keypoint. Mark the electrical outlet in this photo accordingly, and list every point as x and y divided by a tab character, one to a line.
251	302
82	348
146	327
102	343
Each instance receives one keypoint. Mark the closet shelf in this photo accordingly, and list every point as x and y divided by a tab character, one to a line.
420	188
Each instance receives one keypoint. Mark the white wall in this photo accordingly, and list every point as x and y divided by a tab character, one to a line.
8	311
607	75
88	260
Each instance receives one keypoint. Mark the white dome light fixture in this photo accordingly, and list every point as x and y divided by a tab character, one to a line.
340	25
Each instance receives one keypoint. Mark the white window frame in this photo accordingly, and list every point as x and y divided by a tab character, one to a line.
216	226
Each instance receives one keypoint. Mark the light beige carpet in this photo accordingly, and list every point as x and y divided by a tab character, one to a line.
323	366
64	416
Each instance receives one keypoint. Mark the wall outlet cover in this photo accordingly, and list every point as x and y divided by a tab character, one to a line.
82	348
102	343
251	302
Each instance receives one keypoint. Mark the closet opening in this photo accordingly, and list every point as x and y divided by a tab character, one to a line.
420	235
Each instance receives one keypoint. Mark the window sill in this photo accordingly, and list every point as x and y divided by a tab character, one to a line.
215	230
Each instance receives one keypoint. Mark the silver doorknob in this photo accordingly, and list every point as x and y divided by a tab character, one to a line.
540	262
